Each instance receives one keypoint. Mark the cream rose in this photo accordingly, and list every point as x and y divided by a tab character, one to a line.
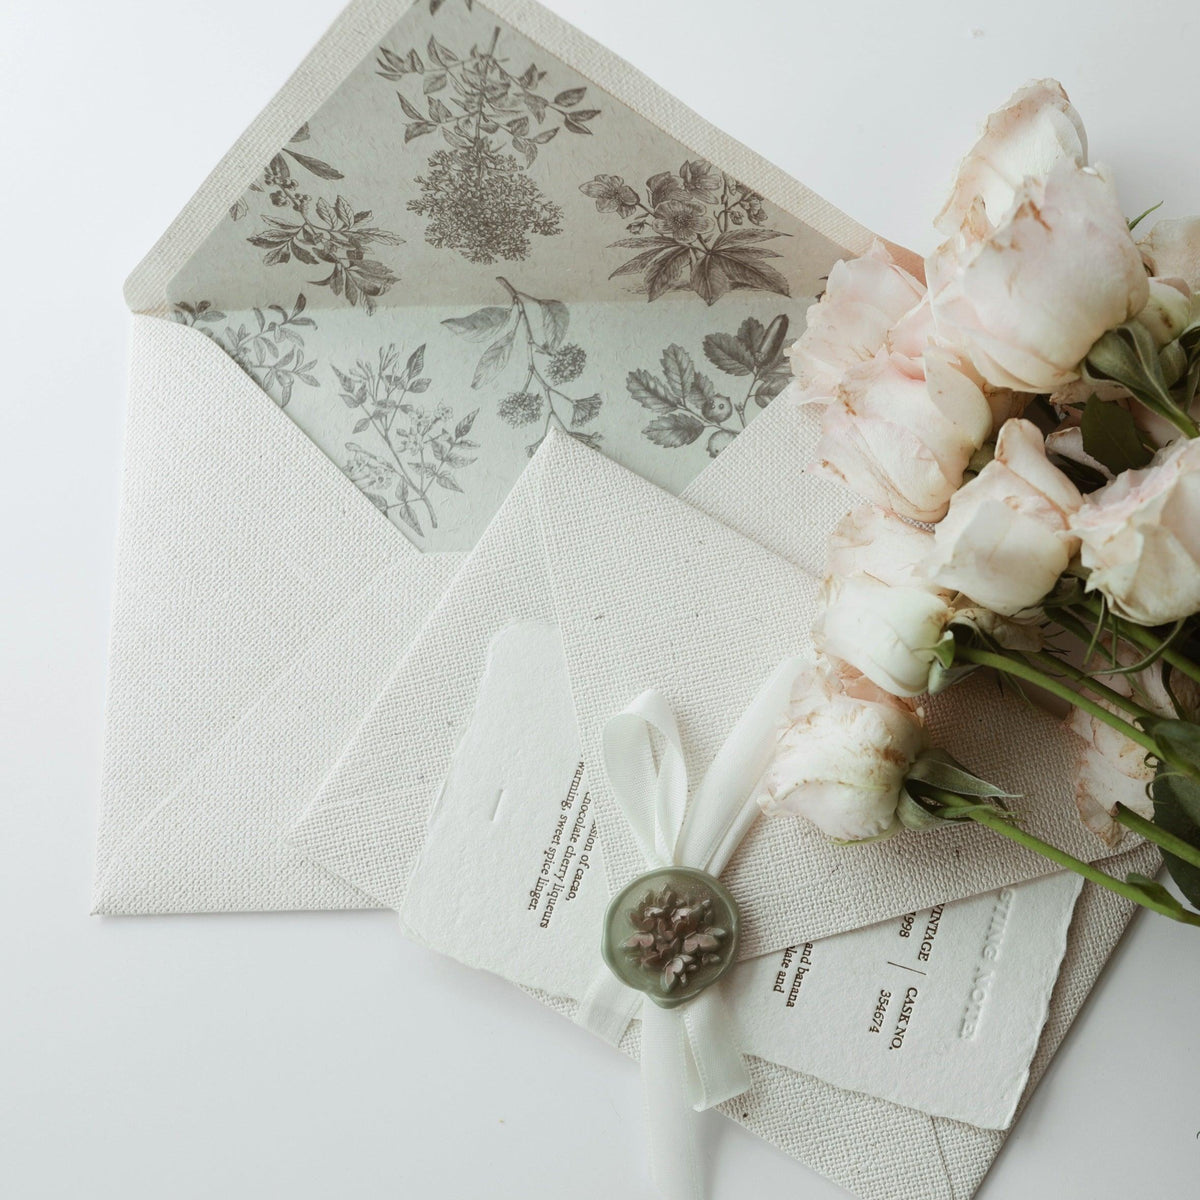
869	541
1036	129
889	634
864	297
1140	537
843	757
901	432
1003	542
1027	299
1167	311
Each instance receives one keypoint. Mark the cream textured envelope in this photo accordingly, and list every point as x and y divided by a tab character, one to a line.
648	591
652	608
456	227
459	227
248	637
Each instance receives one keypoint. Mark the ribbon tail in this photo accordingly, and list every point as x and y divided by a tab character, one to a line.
725	803
672	1125
650	789
719	1071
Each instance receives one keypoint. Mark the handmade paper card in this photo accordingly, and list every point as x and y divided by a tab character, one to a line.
940	1010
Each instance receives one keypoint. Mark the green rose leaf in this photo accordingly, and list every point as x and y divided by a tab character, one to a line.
1154	891
1179	776
1173	794
940	770
1111	437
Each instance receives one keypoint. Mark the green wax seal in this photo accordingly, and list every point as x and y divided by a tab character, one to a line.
671	933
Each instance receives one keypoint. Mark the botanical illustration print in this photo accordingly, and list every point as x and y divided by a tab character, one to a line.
537	329
485	266
272	355
688	404
322	233
706	232
476	195
416	450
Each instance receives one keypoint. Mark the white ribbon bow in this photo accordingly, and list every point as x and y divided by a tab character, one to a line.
690	1057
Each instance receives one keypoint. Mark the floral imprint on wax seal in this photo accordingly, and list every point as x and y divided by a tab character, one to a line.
671	933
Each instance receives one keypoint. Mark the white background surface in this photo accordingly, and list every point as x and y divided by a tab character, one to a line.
320	1057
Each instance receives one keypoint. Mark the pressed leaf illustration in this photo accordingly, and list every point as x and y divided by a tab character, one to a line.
476	194
696	229
416	451
321	232
686	403
534	330
272	353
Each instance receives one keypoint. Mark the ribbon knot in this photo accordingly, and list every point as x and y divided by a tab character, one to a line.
691	1060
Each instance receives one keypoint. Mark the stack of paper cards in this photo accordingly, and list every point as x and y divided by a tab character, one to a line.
455	424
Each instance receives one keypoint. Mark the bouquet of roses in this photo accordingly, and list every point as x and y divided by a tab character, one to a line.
1024	425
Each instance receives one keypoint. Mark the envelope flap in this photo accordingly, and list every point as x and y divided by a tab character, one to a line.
459	224
650	592
341	103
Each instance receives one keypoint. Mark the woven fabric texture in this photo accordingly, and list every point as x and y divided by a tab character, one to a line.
250	635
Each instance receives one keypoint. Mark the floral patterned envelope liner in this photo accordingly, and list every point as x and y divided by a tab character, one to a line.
469	243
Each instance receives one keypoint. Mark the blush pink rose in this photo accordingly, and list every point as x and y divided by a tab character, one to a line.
864	298
1034	131
1027	298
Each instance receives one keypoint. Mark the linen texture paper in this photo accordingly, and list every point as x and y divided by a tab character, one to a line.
368	825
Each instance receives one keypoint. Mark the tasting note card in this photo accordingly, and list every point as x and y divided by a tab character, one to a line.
938	1010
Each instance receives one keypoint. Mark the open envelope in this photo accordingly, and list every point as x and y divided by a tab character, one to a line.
456	227
648	591
276	559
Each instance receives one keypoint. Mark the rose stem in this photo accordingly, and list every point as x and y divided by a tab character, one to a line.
1092	684
1022	670
1141	636
998	824
1159	836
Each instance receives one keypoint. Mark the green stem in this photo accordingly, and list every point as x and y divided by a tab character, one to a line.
1159	836
998	823
1022	670
1073	625
1090	682
1139	635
